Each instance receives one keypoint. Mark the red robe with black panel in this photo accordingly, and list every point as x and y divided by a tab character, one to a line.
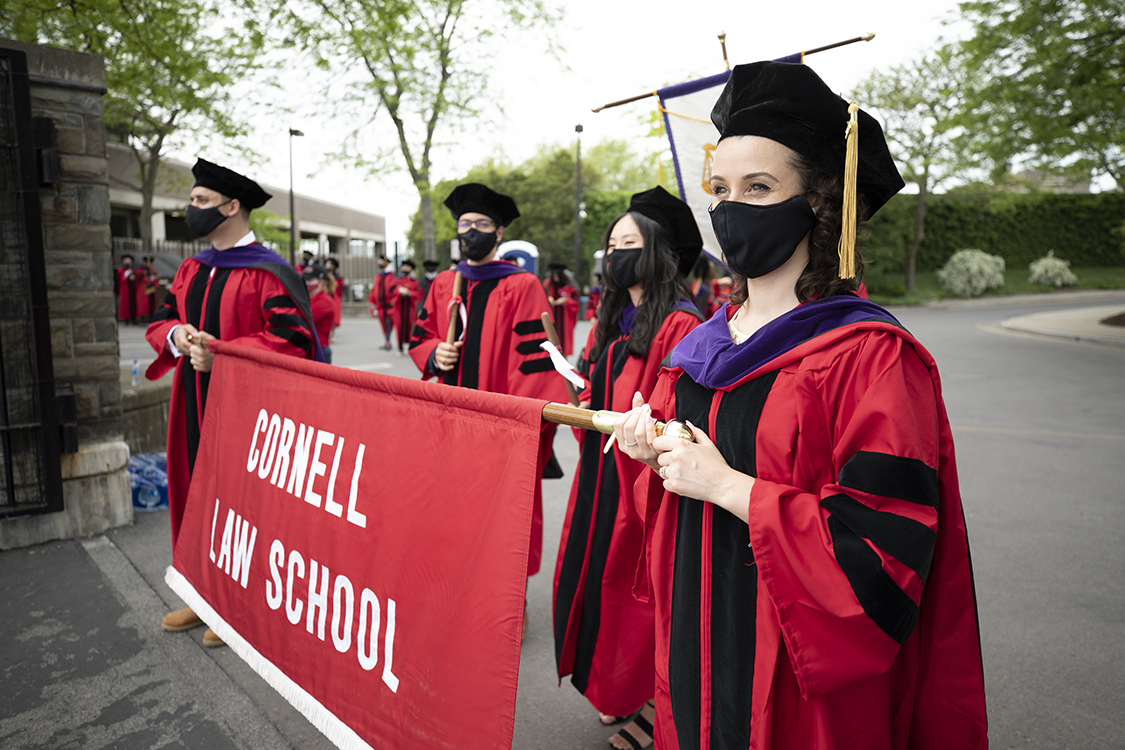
843	615
323	307
604	637
500	353
406	295
246	306
564	316
380	298
132	303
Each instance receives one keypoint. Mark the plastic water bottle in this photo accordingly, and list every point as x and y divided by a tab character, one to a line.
149	497
136	373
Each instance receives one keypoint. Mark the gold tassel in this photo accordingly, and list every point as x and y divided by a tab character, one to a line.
851	165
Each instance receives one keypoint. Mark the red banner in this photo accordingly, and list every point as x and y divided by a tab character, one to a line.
361	540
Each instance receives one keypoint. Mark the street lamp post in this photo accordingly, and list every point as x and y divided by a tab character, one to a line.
578	206
292	210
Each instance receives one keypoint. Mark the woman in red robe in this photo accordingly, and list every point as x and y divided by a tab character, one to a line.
807	552
322	304
604	637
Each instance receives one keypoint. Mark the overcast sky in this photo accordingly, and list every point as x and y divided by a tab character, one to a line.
612	49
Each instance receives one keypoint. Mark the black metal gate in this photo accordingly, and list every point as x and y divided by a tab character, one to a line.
30	475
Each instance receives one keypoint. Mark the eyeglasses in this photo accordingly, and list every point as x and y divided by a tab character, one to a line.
483	225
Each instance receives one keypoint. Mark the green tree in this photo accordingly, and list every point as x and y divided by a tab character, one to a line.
1052	83
170	66
543	187
424	67
918	103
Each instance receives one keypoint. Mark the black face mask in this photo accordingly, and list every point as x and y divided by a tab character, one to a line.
476	245
622	266
203	221
759	239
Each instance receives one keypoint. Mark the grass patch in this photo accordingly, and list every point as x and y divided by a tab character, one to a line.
889	289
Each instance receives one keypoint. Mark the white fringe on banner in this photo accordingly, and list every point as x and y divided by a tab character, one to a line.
339	733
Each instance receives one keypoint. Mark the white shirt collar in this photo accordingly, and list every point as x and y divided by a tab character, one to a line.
247	240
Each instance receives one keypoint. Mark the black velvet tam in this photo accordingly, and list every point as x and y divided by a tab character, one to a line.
675	216
472	197
790	104
229	183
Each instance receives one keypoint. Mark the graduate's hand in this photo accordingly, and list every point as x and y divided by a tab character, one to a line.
583	404
181	340
636	431
698	470
446	355
201	357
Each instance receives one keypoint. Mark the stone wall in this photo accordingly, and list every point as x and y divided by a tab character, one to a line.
68	87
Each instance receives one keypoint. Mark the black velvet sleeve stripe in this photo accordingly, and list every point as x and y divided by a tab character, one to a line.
541	364
281	300
287	320
527	327
910	542
891	476
530	346
293	337
888	606
164	313
423	314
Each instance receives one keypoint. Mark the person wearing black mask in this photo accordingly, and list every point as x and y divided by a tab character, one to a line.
806	552
604	638
253	297
496	349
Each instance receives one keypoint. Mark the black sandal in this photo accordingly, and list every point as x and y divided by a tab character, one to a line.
643	727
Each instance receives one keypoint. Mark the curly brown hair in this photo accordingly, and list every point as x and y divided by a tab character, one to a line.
821	277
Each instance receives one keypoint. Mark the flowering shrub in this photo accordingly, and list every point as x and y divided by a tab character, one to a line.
1052	271
971	273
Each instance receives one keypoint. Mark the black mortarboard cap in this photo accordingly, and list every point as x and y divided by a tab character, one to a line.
556	266
472	197
790	104
408	262
677	220
315	271
430	265
229	183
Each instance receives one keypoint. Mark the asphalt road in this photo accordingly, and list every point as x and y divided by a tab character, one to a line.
1040	432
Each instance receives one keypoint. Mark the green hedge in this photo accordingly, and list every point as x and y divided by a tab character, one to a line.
1082	229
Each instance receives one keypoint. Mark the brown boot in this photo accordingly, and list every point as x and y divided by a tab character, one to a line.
210	640
181	619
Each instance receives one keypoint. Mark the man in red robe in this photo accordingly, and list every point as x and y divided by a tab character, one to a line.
562	295
497	346
380	302
407	294
130	286
237	291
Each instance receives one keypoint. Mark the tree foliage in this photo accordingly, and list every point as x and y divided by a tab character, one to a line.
1051	83
424	68
170	66
543	188
918	103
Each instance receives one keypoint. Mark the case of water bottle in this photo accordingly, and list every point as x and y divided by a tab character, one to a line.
148	473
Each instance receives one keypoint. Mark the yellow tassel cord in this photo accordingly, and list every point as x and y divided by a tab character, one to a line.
708	159
851	165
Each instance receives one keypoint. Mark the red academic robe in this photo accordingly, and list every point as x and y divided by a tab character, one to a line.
247	306
500	353
592	303
721	289
132	303
843	615
339	302
564	316
406	295
604	637
151	292
323	308
381	299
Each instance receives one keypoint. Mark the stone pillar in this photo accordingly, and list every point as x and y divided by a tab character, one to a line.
159	230
67	87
